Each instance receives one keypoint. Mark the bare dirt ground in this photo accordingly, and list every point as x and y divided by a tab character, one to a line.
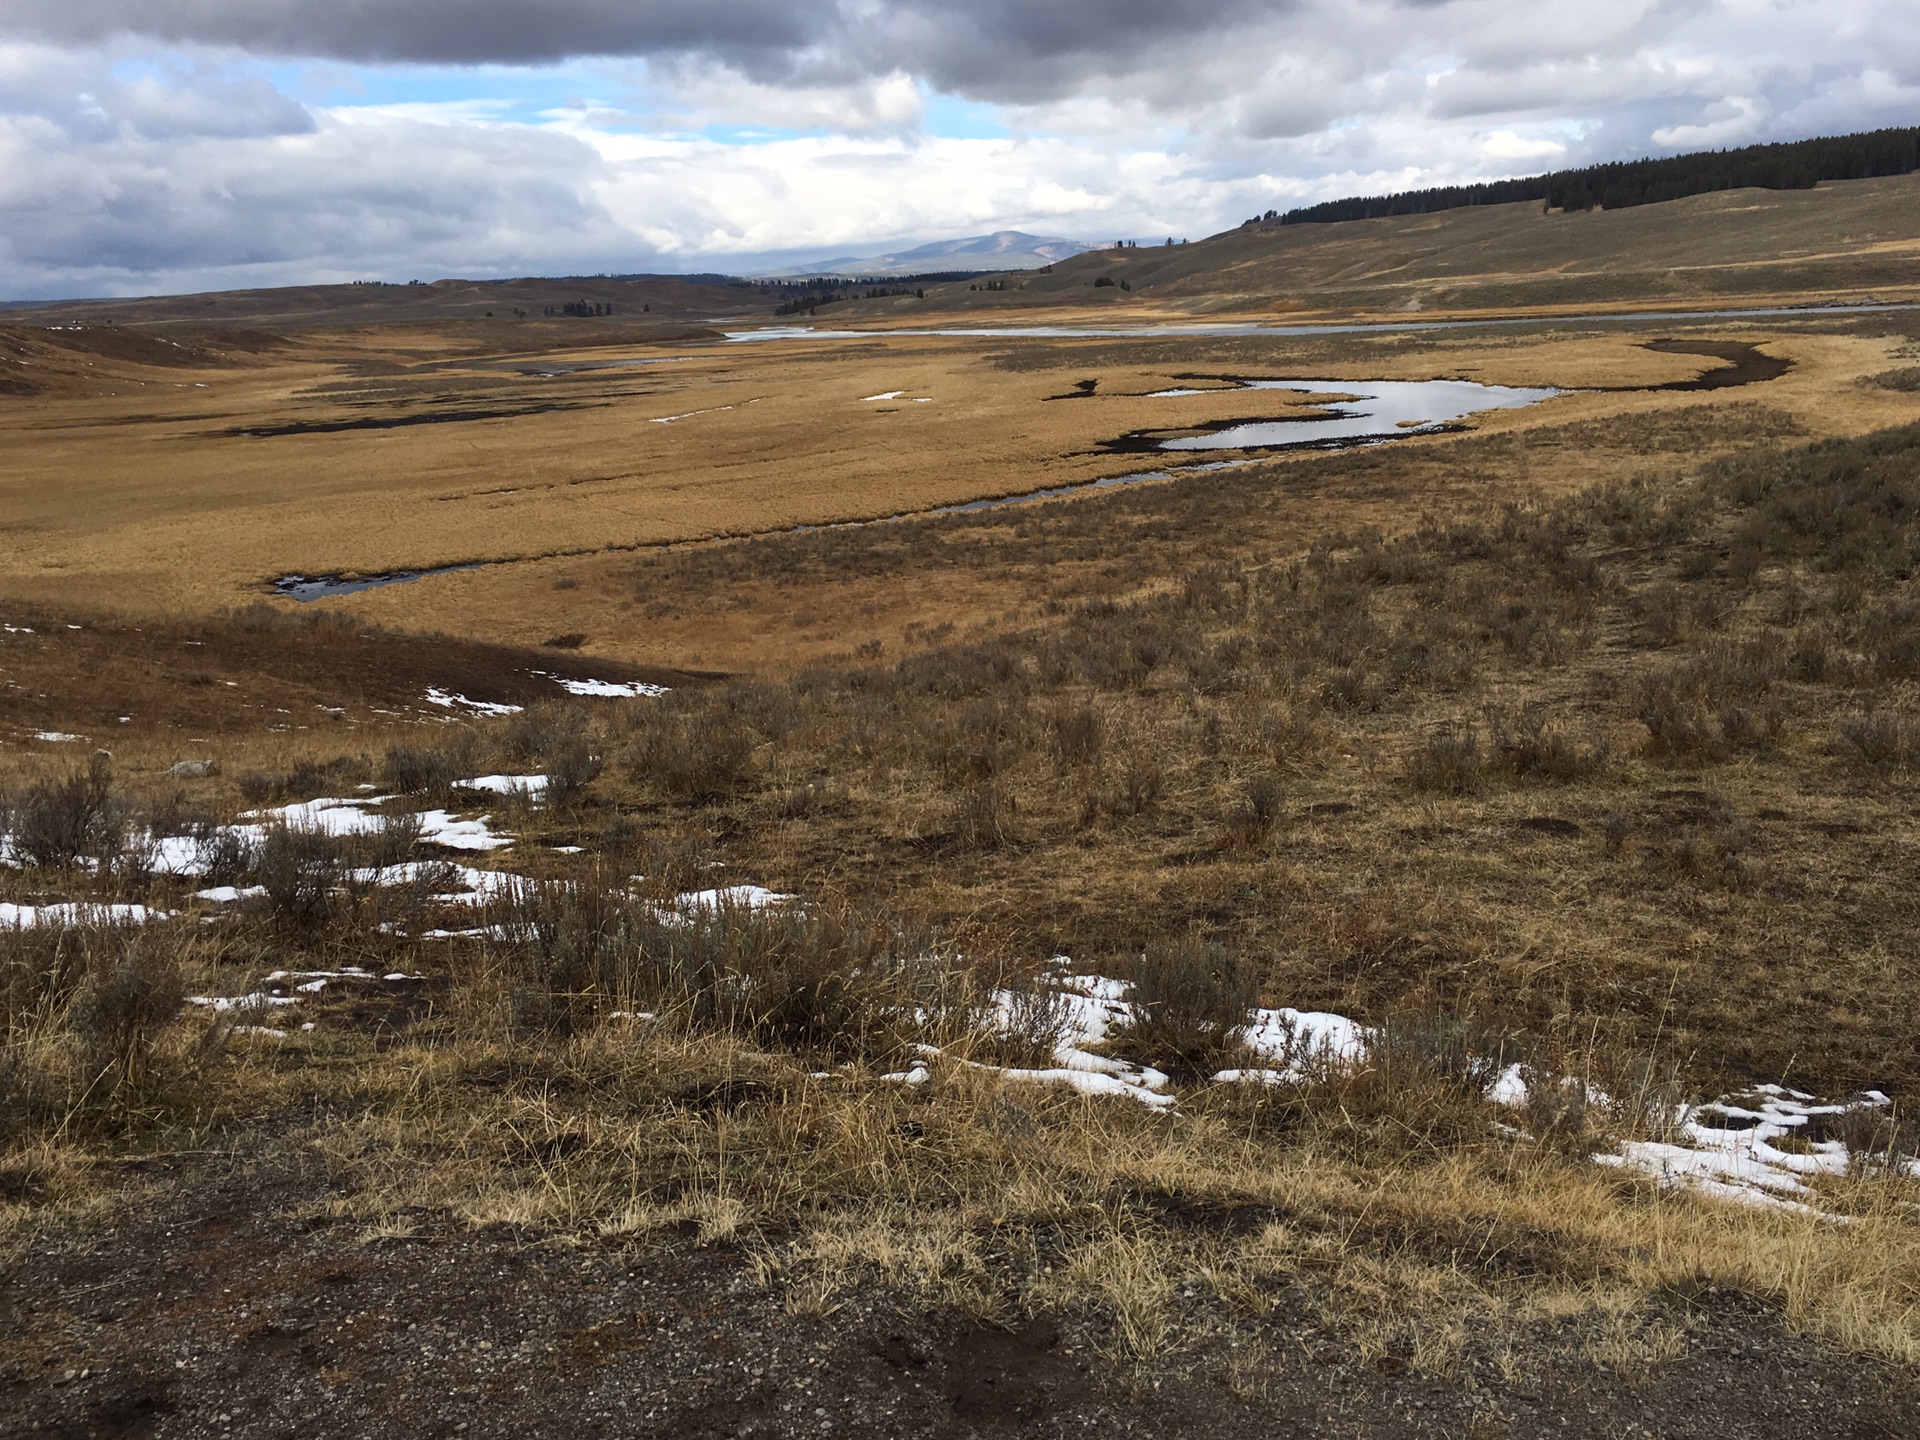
204	1311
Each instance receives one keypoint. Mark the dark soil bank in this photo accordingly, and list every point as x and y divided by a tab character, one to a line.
1746	364
207	1311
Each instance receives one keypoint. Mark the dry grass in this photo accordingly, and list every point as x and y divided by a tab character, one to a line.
234	509
1616	783
967	1191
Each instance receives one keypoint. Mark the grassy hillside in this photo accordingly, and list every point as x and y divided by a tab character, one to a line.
1844	240
642	307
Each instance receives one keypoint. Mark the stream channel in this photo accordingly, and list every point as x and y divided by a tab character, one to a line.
1353	412
1369	412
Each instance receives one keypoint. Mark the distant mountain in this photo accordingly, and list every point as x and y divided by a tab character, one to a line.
1002	250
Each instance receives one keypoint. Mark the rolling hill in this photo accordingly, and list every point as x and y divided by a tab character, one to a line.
1844	240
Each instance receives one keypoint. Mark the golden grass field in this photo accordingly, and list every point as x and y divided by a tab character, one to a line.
148	495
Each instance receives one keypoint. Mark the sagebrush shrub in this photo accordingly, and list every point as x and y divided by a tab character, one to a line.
306	779
300	868
1078	733
1256	812
1421	1045
133	992
430	769
984	816
64	822
1191	1002
572	765
700	754
1874	738
1448	761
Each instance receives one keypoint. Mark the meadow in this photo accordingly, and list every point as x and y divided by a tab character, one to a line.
876	978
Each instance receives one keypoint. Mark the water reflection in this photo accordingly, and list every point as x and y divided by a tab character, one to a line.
1365	410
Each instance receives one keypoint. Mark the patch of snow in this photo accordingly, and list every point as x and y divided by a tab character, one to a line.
1092	1004
1090	1083
450	700
1726	1148
331	815
300	982
1510	1090
174	855
1098	987
527	785
728	897
1302	1039
476	887
57	737
883	395
254	1000
229	894
610	689
688	415
437	827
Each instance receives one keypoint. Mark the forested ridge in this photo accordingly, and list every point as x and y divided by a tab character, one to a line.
1792	165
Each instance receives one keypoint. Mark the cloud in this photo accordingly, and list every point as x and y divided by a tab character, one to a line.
699	97
168	142
1505	145
156	182
1001	49
434	31
1733	121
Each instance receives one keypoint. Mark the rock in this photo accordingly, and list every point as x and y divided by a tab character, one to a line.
194	769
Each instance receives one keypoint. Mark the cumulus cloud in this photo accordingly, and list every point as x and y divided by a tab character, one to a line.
145	145
111	183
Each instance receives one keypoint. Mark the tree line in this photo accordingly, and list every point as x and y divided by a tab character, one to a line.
1620	184
811	300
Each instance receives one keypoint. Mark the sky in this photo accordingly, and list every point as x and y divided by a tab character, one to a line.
159	146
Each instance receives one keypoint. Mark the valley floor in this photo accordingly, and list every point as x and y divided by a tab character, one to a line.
463	1071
